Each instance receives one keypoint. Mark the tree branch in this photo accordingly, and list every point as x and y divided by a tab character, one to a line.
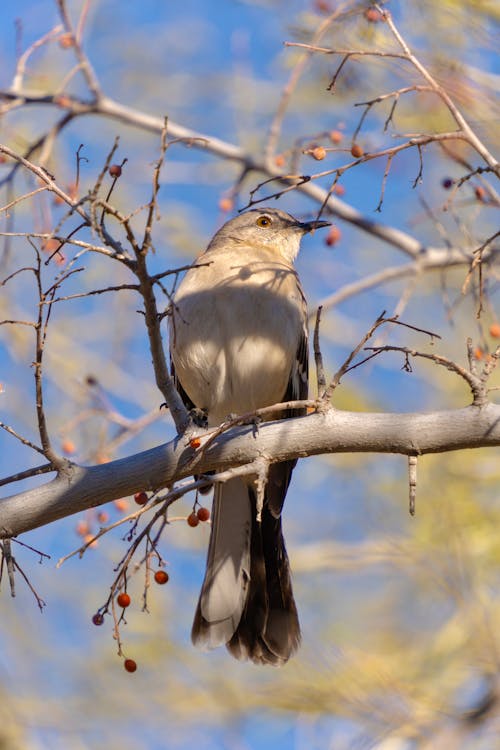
329	432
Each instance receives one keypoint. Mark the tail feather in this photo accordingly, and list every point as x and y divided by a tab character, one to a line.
225	587
246	600
271	639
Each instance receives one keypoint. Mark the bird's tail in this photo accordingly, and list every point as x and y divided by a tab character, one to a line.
246	599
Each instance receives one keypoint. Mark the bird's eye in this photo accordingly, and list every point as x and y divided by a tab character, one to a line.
263	221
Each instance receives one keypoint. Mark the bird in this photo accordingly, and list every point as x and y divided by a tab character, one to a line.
239	342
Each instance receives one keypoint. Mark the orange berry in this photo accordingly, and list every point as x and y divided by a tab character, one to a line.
336	136
480	193
123	600
195	442
90	541
495	330
63	101
339	189
51	245
161	577
115	170
318	153
478	353
322	6
193	519
130	665
140	498
279	160
98	619
333	236
121	505
356	150
373	15
226	204
203	514
82	528
68	447
102	516
72	190
66	41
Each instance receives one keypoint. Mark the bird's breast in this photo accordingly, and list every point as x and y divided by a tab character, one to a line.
234	336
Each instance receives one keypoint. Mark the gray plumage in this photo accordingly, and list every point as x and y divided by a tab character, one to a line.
238	341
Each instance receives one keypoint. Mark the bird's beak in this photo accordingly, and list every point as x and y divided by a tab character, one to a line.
310	226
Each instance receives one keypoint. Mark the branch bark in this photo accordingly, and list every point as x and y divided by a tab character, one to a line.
79	488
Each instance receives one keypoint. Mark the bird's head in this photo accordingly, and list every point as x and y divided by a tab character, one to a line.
268	227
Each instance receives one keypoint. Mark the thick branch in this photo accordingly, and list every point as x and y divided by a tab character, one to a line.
330	432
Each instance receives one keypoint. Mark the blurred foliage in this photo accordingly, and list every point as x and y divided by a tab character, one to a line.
400	615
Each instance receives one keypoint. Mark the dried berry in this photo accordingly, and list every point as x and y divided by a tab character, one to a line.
318	153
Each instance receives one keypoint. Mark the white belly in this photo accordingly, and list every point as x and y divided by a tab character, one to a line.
234	343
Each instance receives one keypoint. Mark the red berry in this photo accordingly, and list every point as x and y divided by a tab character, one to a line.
339	189
98	619
480	193
115	170
123	600
161	577
333	236
203	514
356	150
66	41
195	442
373	15
140	498
130	665
193	519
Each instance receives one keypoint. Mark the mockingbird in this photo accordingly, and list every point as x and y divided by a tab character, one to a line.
238	341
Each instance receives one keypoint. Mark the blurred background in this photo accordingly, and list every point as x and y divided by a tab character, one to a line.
400	615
